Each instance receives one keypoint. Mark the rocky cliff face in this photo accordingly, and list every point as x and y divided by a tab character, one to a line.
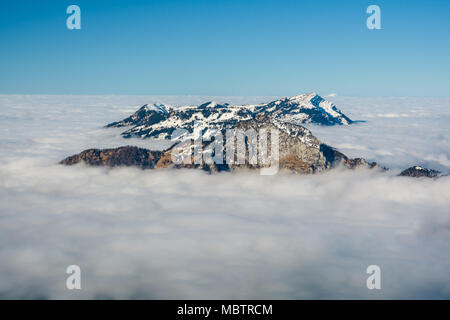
299	150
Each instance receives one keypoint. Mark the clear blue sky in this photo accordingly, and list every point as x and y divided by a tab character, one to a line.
208	47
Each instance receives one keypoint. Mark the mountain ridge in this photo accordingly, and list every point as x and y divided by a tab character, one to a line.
159	121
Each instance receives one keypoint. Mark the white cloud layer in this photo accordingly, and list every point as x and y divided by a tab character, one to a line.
398	132
187	234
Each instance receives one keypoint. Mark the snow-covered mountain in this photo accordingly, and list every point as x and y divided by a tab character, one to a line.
299	151
159	121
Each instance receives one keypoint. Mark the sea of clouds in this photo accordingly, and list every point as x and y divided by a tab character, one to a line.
188	234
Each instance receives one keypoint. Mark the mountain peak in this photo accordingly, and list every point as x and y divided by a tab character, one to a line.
155	107
212	104
306	108
309	95
209	104
306	96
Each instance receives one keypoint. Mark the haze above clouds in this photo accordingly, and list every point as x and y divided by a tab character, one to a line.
187	234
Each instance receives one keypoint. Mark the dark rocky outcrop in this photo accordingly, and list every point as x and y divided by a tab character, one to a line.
418	172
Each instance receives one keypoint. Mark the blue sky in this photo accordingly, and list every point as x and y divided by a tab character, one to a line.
212	47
